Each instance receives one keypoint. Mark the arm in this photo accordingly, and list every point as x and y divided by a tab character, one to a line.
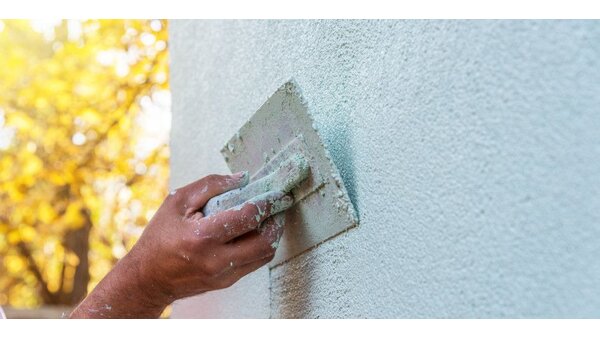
182	253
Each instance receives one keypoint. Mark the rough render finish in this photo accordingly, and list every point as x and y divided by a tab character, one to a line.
471	151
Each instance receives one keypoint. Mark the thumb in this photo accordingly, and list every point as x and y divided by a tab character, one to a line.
195	195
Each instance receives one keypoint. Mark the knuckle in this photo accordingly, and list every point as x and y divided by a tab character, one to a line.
199	239
253	212
213	268
270	257
229	282
225	283
206	240
174	195
213	179
178	199
248	213
267	249
189	244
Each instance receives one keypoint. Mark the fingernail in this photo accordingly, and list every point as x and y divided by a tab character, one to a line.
281	204
239	174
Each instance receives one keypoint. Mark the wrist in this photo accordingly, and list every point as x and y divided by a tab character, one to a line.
124	293
148	291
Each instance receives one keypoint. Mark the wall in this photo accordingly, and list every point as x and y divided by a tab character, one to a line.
470	149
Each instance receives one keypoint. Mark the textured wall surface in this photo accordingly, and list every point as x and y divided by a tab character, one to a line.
470	149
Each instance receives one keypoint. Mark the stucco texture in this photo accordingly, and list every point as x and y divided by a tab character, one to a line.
471	150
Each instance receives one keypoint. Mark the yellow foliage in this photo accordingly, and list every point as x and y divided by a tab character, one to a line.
14	263
31	165
14	237
72	169
72	218
27	233
19	120
45	212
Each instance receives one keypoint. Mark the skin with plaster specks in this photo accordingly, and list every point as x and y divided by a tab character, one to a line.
183	253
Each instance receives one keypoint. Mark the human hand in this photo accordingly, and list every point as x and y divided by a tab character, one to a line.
182	253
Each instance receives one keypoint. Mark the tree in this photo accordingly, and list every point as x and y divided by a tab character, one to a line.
83	151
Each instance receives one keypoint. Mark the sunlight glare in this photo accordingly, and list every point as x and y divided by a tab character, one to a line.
74	29
45	27
78	139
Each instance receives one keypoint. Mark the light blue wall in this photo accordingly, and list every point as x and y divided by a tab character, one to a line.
471	151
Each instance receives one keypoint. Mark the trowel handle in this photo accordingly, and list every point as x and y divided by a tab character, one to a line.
288	175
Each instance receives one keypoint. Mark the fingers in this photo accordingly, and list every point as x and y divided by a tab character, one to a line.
272	228
258	244
194	196
237	221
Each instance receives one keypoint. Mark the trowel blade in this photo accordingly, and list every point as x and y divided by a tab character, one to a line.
280	128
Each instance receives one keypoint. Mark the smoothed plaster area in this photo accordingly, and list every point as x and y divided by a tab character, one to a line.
471	150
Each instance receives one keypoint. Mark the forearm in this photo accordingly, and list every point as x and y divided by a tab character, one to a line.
122	294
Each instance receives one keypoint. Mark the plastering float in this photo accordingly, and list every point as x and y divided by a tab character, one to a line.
283	151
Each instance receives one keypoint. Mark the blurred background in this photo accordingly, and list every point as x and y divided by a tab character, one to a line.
84	126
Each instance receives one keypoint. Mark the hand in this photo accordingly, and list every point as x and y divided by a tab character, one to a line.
182	253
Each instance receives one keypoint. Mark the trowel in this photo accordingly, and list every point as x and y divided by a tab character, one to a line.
281	149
